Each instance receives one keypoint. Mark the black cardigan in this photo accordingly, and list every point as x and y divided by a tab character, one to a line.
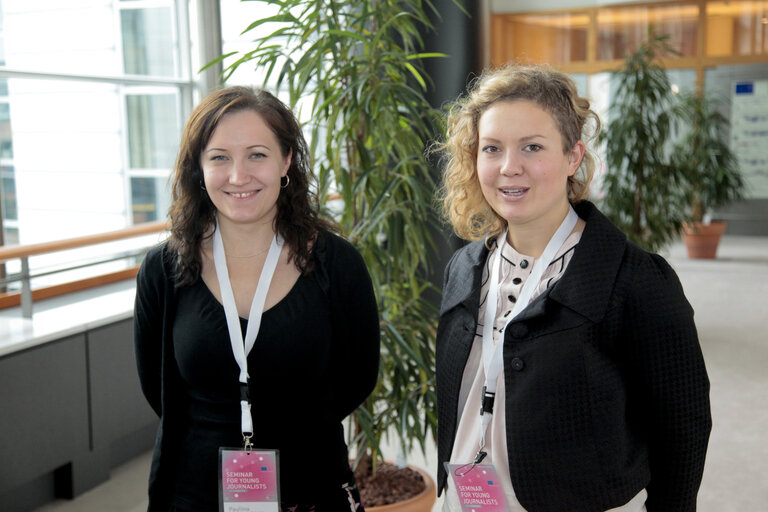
608	394
339	284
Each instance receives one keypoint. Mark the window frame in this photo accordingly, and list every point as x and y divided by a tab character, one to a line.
592	65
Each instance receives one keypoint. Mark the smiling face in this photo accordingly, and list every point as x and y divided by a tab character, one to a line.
242	168
521	167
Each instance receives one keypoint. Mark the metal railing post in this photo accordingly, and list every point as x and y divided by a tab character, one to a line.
26	289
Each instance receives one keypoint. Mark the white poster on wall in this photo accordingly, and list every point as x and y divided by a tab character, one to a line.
749	134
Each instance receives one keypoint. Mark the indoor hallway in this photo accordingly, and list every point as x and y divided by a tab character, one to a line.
730	297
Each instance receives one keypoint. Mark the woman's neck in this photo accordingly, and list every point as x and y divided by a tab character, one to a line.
245	240
532	238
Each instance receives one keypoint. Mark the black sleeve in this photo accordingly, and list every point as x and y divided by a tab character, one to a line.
673	384
148	326
443	413
355	318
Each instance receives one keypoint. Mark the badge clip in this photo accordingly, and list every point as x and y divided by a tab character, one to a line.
487	401
478	459
247	445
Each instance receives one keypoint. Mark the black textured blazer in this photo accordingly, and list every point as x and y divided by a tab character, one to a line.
606	388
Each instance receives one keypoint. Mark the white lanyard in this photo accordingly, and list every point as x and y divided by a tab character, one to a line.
240	347
492	355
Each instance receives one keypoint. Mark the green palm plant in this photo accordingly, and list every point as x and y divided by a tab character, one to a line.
712	175
357	68
642	186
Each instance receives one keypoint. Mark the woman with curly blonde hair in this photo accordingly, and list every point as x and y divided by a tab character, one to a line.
463	201
568	363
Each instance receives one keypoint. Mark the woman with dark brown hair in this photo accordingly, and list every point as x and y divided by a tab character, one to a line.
255	326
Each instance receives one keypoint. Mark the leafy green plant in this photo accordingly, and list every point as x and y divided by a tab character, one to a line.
356	67
711	170
642	188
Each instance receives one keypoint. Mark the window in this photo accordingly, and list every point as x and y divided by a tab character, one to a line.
594	39
621	30
9	233
553	38
148	41
722	47
6	143
90	116
737	28
89	126
150	198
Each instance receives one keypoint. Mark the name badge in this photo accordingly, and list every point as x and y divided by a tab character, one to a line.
248	480
478	487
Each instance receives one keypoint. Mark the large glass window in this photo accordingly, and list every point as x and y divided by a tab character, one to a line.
67	157
152	115
6	142
153	129
76	36
9	213
9	230
89	148
236	16
148	41
150	198
591	35
90	117
623	29
551	38
737	28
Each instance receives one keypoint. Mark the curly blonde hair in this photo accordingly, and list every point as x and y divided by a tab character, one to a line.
464	205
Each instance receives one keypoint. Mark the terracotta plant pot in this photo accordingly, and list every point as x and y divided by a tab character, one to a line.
702	240
420	503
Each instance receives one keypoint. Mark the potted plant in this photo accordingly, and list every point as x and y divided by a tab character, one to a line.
711	170
641	187
355	67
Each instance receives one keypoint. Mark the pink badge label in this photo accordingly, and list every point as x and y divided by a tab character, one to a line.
478	487
249	481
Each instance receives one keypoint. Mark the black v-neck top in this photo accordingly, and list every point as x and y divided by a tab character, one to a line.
314	360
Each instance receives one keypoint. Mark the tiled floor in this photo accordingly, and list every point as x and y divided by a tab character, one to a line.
730	296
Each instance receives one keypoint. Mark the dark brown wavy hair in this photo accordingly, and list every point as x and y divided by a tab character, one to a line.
192	213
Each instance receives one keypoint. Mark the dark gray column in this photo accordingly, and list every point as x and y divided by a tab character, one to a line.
457	33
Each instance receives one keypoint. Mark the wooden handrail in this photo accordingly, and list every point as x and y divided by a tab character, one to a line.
13	299
26	296
23	251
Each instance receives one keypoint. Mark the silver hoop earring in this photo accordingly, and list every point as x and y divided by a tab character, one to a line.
287	181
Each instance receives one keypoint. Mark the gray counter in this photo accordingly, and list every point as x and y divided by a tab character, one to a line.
70	404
